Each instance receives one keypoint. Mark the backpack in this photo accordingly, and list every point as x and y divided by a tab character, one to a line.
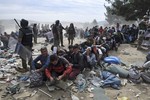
148	57
134	76
36	79
146	77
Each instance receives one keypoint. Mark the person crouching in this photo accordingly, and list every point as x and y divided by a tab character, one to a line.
58	69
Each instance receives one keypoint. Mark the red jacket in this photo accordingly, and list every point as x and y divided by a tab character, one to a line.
61	67
101	31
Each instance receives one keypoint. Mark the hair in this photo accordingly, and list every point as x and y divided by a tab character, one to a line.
76	46
57	22
71	25
24	23
52	47
35	25
70	46
43	48
92	48
89	48
53	57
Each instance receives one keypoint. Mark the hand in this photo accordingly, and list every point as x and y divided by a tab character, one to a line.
60	77
37	70
70	64
51	79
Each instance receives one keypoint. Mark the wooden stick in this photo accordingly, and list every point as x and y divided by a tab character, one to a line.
45	93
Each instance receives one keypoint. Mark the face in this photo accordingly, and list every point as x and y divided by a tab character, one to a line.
88	51
44	52
54	62
71	49
94	49
75	50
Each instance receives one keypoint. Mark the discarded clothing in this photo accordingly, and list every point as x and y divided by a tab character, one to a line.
118	70
134	76
112	60
110	80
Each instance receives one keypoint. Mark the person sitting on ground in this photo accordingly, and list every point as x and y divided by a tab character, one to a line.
148	57
57	50
44	59
69	53
98	53
5	39
88	43
58	69
49	37
76	61
90	58
146	65
14	35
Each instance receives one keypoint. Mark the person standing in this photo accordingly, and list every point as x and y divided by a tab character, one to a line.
55	30
61	34
142	29
71	34
35	31
25	39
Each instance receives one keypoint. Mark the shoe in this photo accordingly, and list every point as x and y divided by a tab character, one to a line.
62	45
22	70
25	70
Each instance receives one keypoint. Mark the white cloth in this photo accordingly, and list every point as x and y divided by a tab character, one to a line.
146	65
100	51
54	50
49	35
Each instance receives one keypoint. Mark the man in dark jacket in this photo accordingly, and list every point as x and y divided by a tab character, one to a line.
25	39
55	30
61	34
77	64
71	34
35	31
69	53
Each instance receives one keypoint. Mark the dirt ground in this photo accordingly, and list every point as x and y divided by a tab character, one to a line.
127	53
130	55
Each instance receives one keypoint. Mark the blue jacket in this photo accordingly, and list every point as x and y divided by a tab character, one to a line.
45	60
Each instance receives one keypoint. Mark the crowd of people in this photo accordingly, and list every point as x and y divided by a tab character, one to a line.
69	63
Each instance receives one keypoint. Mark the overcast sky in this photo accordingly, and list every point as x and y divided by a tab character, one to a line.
51	10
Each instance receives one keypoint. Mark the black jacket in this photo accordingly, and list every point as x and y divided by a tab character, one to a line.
26	36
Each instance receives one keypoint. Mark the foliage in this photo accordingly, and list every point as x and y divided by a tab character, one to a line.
129	9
